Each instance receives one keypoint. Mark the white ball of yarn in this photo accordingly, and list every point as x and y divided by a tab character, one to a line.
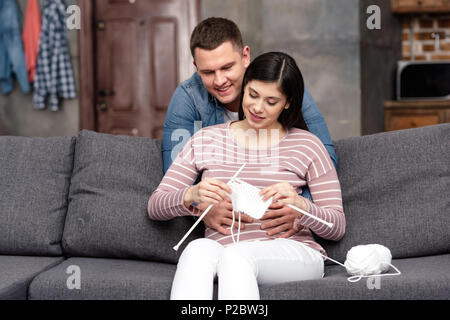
368	259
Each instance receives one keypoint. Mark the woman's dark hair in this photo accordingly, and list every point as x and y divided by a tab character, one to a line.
280	68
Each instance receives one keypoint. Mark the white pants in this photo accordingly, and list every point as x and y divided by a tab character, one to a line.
240	267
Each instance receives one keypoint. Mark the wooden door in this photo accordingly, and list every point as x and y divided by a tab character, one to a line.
141	53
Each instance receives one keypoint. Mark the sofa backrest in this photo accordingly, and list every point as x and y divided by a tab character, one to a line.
34	184
396	192
113	178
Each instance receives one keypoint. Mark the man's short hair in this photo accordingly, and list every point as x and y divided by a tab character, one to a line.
212	32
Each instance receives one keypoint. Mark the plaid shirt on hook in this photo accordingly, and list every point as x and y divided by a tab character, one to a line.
54	74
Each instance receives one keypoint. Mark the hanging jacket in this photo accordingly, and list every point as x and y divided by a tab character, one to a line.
12	59
54	75
30	36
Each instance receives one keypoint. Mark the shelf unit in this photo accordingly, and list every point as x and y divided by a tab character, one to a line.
420	6
412	114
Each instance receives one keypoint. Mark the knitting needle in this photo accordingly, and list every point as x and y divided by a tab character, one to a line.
193	227
204	214
237	172
330	225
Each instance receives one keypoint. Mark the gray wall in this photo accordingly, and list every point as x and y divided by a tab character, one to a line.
338	56
17	115
380	51
323	37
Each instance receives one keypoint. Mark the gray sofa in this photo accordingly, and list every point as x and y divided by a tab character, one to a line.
80	202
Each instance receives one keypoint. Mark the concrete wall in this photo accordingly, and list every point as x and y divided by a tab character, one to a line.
17	115
323	37
380	51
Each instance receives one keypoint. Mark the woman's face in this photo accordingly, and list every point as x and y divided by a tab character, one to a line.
262	104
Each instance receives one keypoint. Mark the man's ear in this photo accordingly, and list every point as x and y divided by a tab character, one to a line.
246	56
195	65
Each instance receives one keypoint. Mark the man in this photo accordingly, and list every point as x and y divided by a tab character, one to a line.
212	96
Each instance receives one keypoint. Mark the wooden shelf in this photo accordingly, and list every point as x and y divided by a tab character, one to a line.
413	114
417	104
420	6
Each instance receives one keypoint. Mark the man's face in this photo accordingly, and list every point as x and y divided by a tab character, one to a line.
222	70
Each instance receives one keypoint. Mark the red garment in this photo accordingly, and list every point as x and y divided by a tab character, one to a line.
30	36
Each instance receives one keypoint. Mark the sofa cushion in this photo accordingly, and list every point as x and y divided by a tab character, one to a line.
34	185
112	180
16	273
421	278
100	279
424	278
395	189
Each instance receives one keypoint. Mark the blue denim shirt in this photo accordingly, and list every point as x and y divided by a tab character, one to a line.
12	57
192	108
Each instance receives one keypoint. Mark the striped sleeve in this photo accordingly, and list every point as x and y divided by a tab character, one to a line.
167	201
326	194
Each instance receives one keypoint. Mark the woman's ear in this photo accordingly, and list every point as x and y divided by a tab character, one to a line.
287	105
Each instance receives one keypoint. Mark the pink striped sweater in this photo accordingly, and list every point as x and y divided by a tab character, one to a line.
298	158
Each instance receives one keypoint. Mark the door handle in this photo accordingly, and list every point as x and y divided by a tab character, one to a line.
102	106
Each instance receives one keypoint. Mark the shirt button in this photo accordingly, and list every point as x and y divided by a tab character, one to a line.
221	114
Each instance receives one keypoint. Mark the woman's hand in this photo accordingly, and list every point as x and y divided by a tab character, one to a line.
209	190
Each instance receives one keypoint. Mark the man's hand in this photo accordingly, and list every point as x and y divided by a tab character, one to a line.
221	216
284	193
282	222
283	217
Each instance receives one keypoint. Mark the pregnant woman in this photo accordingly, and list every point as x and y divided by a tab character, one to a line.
281	157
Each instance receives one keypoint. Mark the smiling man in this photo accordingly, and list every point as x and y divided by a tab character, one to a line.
212	96
221	70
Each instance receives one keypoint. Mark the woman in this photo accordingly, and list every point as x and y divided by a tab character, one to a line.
281	157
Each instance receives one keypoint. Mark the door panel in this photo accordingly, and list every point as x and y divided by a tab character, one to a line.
142	50
164	58
115	61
